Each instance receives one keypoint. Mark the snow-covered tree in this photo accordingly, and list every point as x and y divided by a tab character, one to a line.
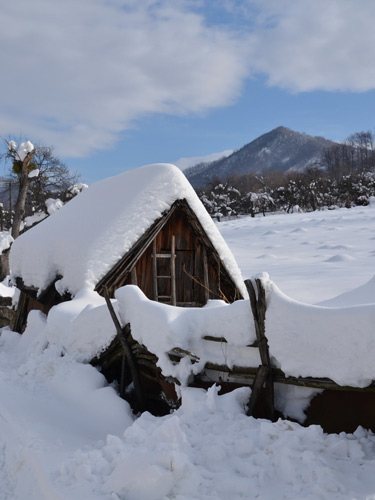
38	175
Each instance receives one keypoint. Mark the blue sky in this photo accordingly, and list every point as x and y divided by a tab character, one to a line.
118	84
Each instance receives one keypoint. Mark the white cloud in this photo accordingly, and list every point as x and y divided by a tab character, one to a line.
308	45
76	74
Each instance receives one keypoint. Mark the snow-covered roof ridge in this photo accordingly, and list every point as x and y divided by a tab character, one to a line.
89	235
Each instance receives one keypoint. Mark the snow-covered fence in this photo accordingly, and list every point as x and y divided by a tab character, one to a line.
310	347
304	340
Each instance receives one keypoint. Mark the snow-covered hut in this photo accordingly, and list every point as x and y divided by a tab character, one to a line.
146	226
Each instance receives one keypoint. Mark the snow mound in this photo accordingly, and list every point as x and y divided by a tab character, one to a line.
267	256
364	294
209	449
304	340
53	205
340	257
162	327
313	341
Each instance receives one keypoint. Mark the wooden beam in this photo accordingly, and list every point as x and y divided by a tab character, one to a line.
246	374
205	275
154	270
133	274
173	271
122	334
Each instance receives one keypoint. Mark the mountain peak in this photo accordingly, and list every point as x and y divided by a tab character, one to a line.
280	149
281	129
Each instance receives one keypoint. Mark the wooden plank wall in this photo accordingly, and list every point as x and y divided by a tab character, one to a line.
191	277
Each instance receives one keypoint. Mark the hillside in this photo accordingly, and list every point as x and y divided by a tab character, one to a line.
280	149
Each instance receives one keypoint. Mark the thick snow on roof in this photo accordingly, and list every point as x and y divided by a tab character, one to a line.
82	241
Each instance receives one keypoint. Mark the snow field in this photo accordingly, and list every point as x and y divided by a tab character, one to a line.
311	257
65	434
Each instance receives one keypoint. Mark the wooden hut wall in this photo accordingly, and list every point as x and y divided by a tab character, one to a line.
188	264
194	252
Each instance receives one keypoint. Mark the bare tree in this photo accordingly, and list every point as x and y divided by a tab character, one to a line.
39	175
53	180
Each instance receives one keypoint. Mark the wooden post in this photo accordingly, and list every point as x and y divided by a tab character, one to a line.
133	274
122	334
173	271
205	275
264	374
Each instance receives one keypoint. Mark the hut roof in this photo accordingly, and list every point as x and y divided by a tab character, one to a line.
89	235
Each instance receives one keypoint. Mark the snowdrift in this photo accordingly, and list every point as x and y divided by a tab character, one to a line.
304	340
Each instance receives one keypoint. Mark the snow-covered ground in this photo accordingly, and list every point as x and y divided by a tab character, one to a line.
310	256
65	435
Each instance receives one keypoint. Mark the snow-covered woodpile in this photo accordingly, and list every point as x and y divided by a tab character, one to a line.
312	349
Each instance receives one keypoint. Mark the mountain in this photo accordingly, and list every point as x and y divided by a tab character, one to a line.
280	149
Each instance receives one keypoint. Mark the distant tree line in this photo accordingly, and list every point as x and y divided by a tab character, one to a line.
344	177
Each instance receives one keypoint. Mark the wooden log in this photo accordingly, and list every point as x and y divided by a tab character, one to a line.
215	339
154	270
223	340
245	375
176	354
122	334
258	307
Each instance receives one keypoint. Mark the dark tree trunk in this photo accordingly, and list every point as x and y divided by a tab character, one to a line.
24	183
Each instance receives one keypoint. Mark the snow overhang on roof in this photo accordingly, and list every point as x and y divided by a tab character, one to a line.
90	234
